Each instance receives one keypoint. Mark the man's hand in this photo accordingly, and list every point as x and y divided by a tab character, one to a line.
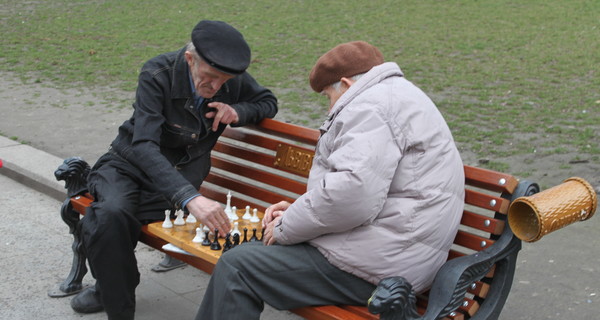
272	218
225	114
273	211
209	213
269	235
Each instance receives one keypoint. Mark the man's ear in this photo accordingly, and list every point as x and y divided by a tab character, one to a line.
347	81
188	57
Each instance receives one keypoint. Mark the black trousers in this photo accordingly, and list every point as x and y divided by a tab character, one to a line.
110	229
285	277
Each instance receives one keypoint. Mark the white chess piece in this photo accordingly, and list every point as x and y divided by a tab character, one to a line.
191	219
235	229
254	217
167	224
179	220
228	206
199	236
234	215
247	214
205	228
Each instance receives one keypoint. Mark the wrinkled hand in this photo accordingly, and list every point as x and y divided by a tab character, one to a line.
210	213
273	211
225	114
272	217
269	235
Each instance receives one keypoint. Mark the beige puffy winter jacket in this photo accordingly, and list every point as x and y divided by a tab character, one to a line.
386	189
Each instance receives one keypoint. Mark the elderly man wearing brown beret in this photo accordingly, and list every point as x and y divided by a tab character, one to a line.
384	198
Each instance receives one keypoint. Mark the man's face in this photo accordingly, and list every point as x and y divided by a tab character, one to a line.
207	79
335	94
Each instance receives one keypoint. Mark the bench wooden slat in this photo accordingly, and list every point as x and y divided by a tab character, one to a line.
214	194
490	180
245	154
472	241
481	222
247	188
289	131
259	175
326	313
486	201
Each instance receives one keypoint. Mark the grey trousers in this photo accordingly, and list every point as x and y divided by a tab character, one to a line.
284	277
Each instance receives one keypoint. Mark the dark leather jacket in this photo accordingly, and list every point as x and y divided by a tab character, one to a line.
170	141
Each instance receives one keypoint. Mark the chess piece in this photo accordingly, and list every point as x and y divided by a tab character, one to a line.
236	240
205	228
199	236
234	215
215	245
254	237
191	219
167	224
254	218
247	214
206	242
179	220
228	245
228	205
236	229
245	235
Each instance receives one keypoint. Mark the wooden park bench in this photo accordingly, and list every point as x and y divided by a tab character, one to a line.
267	163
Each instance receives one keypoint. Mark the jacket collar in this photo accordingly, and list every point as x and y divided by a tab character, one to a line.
369	79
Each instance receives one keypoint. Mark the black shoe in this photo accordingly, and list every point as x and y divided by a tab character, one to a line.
87	301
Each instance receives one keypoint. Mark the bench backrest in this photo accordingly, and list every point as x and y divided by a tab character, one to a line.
267	163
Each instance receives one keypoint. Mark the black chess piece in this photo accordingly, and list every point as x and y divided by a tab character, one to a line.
236	240
245	235
215	245
253	238
228	245
206	242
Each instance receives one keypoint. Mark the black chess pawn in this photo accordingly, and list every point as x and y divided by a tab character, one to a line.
245	235
215	245
253	238
228	245
236	240
206	242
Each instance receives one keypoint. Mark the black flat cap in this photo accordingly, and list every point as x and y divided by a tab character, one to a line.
221	46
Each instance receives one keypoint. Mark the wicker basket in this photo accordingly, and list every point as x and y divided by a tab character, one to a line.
534	216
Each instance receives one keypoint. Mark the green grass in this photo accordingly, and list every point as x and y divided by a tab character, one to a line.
509	76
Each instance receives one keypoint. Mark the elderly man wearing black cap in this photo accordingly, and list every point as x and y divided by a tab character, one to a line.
384	198
161	155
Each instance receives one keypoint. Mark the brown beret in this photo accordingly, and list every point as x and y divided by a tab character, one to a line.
345	60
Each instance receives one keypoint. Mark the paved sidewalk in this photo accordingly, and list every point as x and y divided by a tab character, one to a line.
556	278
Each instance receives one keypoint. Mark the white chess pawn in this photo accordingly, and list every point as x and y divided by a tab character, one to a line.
167	223
254	217
235	229
191	219
179	220
205	228
247	214
234	215
199	236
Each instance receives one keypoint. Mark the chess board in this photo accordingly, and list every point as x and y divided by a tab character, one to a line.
181	237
